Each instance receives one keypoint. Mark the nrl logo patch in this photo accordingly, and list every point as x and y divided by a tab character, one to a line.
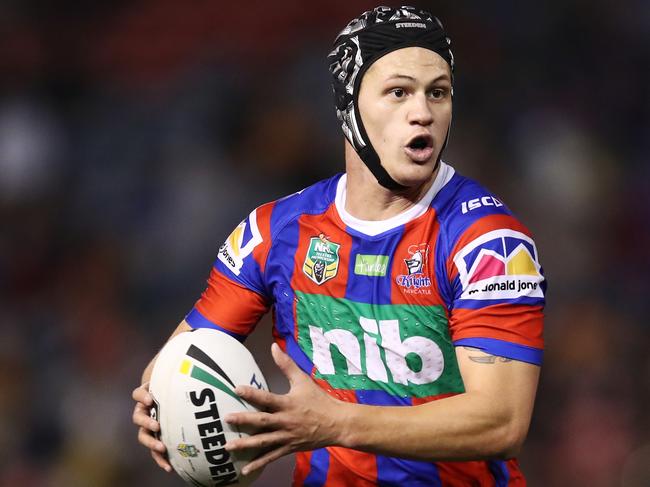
187	450
322	259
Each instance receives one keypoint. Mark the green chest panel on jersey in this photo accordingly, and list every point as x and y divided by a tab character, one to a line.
402	349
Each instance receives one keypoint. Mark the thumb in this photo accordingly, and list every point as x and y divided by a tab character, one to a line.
288	367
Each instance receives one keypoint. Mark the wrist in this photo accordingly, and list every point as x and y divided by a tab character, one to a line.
346	422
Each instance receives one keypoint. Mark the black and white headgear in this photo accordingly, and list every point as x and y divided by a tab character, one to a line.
363	41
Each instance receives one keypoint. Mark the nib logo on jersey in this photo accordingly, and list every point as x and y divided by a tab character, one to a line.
415	281
502	264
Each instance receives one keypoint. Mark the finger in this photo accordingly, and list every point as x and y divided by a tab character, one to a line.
141	417
147	440
260	441
286	364
265	459
142	394
161	461
259	397
256	420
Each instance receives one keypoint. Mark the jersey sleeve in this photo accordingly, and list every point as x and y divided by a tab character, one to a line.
498	289
236	296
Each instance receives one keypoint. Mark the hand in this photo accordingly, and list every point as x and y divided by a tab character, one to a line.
305	418
148	426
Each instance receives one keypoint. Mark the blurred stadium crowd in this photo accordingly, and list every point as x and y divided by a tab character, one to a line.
134	135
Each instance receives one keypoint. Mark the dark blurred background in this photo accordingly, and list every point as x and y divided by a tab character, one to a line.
134	135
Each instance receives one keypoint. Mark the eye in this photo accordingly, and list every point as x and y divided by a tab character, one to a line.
398	92
438	93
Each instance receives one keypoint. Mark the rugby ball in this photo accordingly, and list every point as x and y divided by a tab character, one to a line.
192	383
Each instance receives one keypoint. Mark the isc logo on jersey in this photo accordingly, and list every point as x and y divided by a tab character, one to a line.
502	264
240	244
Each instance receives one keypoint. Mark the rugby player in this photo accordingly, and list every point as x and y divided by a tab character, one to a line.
407	299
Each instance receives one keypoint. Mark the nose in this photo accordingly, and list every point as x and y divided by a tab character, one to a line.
419	111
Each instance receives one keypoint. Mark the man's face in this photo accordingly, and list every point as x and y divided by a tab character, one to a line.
405	105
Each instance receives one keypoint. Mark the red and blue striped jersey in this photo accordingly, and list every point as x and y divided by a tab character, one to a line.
373	311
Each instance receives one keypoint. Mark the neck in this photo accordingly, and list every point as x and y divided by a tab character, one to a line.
366	199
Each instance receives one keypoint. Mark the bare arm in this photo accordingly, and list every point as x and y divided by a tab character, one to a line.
489	420
148	427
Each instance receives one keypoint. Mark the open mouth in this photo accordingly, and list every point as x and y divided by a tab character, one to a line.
420	148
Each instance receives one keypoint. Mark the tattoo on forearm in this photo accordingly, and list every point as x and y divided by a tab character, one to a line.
485	358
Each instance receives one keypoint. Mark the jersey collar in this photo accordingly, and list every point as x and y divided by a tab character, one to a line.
375	227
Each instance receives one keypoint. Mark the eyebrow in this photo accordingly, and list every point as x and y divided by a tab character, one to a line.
396	76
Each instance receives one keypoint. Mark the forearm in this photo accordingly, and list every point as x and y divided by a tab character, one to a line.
490	420
463	427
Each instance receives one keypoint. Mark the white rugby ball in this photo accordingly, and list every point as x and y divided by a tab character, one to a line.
192	383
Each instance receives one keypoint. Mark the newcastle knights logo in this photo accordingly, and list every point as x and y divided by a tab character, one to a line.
322	259
416	280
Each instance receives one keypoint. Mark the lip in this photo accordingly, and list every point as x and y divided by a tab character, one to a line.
419	155
423	154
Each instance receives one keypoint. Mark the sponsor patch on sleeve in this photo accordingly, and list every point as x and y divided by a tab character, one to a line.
501	264
240	244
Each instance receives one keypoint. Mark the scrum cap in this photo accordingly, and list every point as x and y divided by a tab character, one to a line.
363	41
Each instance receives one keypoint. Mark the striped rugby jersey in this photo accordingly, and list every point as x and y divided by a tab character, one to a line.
373	310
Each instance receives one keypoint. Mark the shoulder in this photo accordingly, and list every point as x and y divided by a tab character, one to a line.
474	221
464	204
311	200
482	238
245	251
263	223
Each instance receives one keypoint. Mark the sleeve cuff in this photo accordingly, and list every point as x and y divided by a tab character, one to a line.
196	320
501	348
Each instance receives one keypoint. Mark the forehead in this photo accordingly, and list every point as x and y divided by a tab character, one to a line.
417	62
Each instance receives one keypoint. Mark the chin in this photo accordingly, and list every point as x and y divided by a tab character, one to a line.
415	174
